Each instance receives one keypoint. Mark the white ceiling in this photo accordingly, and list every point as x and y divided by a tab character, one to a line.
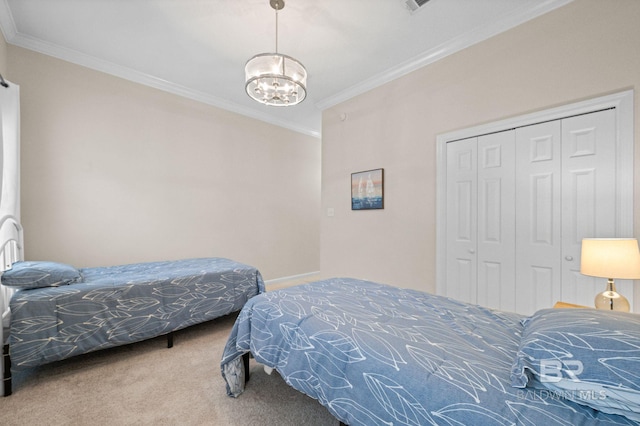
198	48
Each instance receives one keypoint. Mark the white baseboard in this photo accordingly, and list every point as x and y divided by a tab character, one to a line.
291	278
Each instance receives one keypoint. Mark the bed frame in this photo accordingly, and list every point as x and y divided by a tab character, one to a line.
11	250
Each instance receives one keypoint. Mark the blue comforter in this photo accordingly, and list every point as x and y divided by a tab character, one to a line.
123	304
380	355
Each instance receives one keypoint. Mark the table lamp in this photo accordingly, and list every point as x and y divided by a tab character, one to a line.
611	258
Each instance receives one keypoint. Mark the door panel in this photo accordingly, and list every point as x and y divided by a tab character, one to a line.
496	220
538	212
588	188
462	214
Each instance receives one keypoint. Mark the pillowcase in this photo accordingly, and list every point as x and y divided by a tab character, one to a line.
35	274
589	356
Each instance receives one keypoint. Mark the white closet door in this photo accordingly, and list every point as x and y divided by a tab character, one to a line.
588	197
496	221
539	216
573	179
462	219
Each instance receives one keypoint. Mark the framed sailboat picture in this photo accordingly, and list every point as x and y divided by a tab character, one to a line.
367	190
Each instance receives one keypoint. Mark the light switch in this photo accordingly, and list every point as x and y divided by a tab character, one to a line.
330	212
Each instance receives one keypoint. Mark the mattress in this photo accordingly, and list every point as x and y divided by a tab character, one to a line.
122	304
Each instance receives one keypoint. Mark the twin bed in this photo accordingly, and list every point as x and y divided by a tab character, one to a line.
379	355
56	311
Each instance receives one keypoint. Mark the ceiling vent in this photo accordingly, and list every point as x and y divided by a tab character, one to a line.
414	5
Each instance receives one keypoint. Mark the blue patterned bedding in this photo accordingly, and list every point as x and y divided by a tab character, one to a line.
115	305
380	355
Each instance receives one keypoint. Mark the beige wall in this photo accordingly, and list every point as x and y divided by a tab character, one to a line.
116	172
586	49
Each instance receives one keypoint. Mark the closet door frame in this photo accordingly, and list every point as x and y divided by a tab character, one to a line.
623	104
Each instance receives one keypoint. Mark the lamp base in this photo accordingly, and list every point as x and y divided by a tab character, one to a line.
611	300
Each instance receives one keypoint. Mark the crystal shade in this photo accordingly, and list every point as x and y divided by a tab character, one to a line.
275	79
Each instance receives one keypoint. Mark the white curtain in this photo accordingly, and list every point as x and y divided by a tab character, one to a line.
10	122
10	228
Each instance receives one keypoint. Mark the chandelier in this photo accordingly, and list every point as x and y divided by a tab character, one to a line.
275	79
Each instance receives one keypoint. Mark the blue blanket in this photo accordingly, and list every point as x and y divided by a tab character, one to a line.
123	304
380	355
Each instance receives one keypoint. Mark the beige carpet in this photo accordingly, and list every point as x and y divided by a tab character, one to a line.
146	383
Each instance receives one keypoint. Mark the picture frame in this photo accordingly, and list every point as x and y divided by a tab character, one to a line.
367	190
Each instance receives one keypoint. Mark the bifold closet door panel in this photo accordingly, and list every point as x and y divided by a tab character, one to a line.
538	216
496	221
481	220
588	198
462	213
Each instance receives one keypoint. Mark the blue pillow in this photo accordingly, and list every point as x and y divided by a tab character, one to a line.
34	274
589	356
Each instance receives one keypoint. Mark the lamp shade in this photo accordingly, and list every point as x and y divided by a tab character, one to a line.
610	258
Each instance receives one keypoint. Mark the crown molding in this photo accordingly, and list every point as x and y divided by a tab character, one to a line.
88	61
12	36
450	47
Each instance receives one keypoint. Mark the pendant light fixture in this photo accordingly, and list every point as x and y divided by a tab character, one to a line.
275	79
